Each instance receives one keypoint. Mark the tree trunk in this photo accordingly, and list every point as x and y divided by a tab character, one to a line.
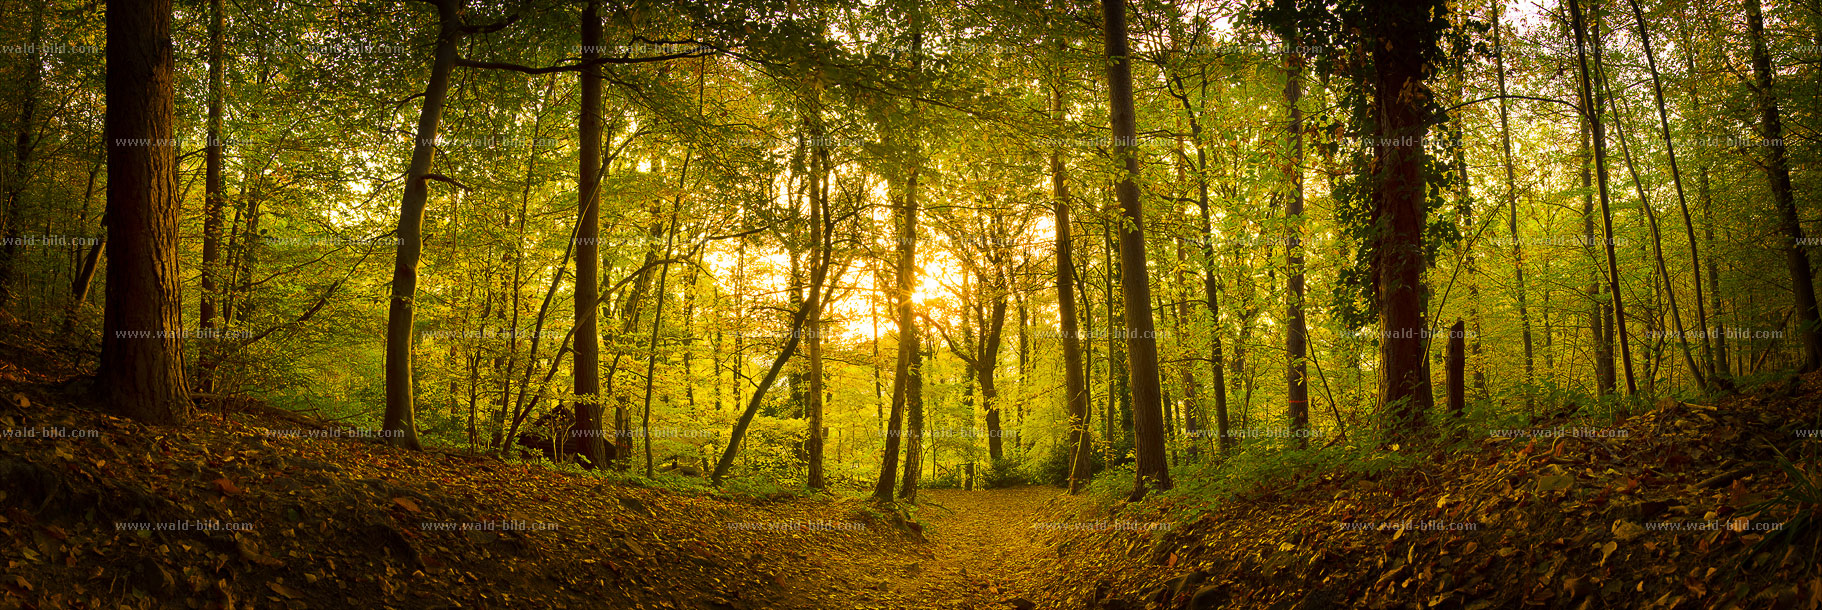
1777	172
1404	397
1296	335
1152	472
987	364
586	369
1456	364
1591	107
914	423
1676	177
1604	371
1211	294
819	240
908	376
759	391
212	201
400	425
1657	239
651	358
141	374
1518	250
1075	384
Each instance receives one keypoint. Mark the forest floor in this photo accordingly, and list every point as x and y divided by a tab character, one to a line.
248	506
979	550
232	511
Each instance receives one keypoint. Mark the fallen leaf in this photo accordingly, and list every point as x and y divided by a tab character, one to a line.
1555	482
1624	530
407	504
282	590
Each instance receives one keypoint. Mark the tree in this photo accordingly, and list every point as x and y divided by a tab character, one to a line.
1152	471
1296	335
1591	108
1777	173
400	423
213	197
14	187
141	373
1402	39
1075	384
587	363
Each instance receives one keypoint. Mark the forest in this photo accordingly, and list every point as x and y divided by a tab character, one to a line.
885	304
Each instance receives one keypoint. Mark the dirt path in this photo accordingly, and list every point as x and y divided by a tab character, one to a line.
979	542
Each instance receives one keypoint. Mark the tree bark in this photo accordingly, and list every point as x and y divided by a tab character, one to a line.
907	376
1518	250
1296	334
819	238
1152	471
1456	363
1676	177
141	374
587	339
400	423
1075	384
1404	396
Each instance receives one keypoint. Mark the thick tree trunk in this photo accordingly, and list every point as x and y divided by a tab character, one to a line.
1777	172
141	374
587	340
400	423
914	424
1404	397
907	395
1152	472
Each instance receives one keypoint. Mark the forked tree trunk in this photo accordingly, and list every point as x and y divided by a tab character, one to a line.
1682	200
1591	108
